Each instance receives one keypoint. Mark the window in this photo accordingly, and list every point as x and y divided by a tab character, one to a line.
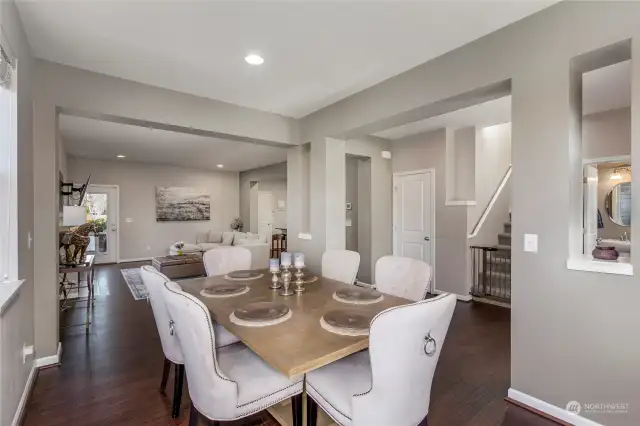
8	156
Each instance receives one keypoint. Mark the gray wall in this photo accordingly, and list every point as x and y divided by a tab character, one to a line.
425	151
137	182
555	311
607	134
18	320
273	173
464	164
492	160
327	173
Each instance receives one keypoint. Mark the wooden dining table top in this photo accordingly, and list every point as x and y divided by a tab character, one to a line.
300	344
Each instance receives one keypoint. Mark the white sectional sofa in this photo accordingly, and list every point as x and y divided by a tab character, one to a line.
258	245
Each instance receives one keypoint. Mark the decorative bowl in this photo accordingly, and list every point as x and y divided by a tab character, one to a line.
605	253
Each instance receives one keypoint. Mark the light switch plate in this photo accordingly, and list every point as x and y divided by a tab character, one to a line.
531	243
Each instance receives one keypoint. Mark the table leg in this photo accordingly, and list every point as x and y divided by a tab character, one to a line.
87	276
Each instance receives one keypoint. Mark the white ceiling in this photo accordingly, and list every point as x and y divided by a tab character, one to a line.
89	138
603	89
316	53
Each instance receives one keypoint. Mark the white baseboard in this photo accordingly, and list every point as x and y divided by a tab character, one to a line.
138	259
50	360
460	297
491	302
22	405
550	409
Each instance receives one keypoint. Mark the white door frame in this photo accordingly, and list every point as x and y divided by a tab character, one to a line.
117	188
396	175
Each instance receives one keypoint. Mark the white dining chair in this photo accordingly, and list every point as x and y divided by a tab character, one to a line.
403	277
227	383
154	282
391	383
222	260
341	265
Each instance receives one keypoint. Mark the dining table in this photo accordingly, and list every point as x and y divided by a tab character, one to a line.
300	344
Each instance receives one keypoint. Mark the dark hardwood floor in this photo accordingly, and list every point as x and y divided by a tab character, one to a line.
112	375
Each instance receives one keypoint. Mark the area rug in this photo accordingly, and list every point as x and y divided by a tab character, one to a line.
134	282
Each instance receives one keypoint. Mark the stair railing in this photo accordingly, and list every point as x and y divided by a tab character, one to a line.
493	200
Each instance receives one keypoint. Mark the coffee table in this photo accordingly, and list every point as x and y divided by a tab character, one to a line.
180	266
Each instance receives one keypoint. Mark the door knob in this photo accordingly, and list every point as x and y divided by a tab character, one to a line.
426	238
113	228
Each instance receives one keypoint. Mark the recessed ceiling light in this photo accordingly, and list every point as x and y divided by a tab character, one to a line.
121	156
220	166
254	59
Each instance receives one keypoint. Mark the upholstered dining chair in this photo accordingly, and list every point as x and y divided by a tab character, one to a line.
227	383
154	282
391	383
341	265
222	260
403	277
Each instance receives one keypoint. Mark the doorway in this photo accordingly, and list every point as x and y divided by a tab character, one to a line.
414	215
101	203
265	213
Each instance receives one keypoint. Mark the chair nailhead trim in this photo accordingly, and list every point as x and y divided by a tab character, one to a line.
211	339
267	396
332	406
393	309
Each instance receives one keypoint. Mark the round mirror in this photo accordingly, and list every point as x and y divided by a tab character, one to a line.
618	204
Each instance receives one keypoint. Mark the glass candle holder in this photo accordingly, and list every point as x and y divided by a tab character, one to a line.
286	281
299	282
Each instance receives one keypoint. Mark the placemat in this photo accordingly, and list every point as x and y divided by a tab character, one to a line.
345	323
244	275
224	290
260	314
358	296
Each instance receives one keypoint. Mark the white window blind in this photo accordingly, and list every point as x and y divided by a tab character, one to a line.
8	147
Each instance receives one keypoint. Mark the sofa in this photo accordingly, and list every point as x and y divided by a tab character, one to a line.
258	245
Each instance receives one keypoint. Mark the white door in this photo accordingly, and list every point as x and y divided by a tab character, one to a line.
590	221
101	202
413	215
265	213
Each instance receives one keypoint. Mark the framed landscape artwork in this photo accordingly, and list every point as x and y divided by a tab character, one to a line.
177	203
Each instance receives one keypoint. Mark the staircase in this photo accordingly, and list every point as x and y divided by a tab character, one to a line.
492	270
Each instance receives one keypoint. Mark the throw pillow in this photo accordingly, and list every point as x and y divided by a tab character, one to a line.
202	237
227	238
238	237
253	237
215	237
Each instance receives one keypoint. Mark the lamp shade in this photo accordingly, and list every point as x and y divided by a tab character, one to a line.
73	215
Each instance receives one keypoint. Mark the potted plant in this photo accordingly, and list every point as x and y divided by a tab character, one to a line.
237	224
179	246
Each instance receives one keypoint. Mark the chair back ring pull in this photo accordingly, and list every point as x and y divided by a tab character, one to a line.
430	345
171	326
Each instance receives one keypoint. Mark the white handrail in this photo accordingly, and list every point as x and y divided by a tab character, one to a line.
487	210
